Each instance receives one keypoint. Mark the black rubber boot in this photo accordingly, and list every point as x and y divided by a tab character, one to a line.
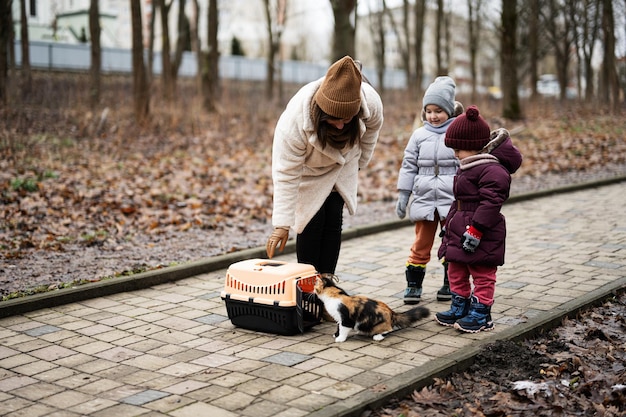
444	293
414	279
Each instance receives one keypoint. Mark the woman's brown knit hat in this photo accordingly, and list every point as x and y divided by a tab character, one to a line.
468	131
339	96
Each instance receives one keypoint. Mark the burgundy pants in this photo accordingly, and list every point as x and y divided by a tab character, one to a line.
484	278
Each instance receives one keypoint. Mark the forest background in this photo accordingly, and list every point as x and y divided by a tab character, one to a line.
105	175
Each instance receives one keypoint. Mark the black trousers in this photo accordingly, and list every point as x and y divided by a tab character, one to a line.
320	241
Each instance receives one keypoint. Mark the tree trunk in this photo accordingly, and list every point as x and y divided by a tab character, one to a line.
11	45
439	37
609	69
150	66
591	26
406	49
403	40
166	64
5	38
141	94
533	45
210	72
447	28
473	23
96	58
576	39
343	40
271	51
508	59
26	73
196	47
564	52
420	16
282	23
559	30
275	24
182	42
377	28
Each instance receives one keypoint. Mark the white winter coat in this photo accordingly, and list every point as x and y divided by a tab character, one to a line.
303	173
427	171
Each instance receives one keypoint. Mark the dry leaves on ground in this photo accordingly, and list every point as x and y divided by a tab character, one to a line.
127	197
577	369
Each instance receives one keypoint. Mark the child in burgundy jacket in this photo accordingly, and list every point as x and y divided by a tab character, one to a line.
474	237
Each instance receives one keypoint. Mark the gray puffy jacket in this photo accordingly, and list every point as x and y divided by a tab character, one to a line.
427	171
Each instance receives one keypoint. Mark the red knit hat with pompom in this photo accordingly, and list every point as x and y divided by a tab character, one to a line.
468	132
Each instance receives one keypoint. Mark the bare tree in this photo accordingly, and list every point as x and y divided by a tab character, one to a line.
586	13
11	46
96	58
5	38
508	61
440	29
182	41
196	46
403	37
166	63
473	23
533	45
418	31
344	29
557	20
275	15
533	42
406	44
151	24
26	73
609	91
210	74
141	94
376	16
622	71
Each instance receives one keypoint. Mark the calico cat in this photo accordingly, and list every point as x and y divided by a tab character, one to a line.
365	315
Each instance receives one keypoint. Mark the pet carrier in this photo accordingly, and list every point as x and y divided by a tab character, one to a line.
272	296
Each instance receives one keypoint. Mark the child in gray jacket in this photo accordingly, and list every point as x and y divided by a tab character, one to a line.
427	173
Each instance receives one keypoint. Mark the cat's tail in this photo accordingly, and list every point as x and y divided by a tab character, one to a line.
407	318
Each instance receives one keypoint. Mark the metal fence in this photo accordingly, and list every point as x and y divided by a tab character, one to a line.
58	56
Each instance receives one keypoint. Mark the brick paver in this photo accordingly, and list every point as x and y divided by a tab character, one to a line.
171	350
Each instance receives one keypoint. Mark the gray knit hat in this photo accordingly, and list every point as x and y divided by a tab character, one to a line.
441	93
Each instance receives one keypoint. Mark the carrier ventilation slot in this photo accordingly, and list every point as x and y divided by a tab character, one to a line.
273	289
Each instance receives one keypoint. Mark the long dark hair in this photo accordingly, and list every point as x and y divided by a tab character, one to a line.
328	135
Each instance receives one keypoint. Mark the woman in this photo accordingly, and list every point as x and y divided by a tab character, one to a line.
327	132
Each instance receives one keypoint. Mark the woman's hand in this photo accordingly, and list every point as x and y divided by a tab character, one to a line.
279	236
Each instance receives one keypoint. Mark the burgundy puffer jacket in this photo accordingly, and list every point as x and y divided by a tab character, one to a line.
481	186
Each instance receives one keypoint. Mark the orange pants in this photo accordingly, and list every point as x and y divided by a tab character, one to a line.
425	232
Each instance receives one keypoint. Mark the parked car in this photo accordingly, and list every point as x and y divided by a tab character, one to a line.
548	85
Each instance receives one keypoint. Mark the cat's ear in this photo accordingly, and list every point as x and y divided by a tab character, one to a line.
325	277
330	279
